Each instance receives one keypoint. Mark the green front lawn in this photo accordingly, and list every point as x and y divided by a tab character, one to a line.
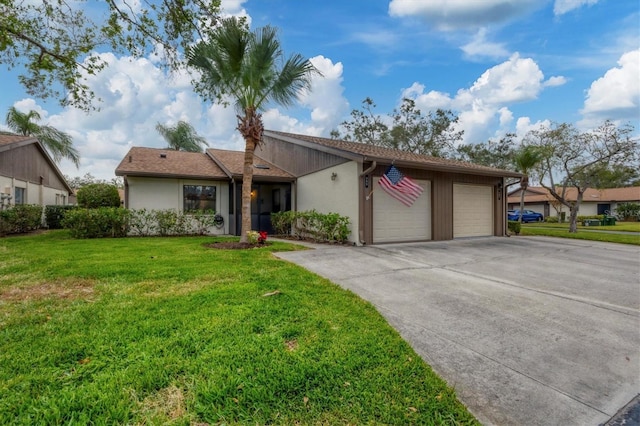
167	331
619	226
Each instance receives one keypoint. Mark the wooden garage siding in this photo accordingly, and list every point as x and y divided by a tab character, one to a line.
295	159
442	200
27	163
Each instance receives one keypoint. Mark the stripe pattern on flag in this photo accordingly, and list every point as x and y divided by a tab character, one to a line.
399	186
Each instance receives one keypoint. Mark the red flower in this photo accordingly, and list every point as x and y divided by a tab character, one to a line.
263	237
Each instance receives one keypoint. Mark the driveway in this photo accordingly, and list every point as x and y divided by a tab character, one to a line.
528	330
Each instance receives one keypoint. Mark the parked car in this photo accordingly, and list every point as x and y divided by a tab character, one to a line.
527	216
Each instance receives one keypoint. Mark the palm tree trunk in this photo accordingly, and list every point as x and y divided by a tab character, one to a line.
247	180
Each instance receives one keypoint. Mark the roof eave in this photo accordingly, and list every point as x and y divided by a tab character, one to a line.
445	167
318	147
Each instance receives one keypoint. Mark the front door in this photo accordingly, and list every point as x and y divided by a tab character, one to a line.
266	198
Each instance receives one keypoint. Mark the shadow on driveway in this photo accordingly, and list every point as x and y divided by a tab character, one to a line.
528	330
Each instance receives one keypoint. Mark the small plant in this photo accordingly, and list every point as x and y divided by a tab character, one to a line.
551	219
514	226
256	237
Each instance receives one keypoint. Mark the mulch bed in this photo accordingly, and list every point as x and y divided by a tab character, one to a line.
235	245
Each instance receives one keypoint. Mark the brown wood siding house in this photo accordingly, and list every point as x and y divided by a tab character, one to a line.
28	174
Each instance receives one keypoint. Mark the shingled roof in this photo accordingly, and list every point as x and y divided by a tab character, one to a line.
141	161
356	150
7	139
232	162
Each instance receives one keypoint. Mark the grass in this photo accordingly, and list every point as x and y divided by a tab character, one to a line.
628	232
167	331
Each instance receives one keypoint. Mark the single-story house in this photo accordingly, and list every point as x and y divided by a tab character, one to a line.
594	201
298	172
28	174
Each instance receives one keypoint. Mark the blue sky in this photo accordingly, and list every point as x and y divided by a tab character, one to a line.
500	65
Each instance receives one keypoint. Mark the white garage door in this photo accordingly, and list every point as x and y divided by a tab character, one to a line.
472	210
395	222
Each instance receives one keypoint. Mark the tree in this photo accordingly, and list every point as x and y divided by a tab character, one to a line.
56	42
498	154
249	67
410	130
182	137
525	159
78	182
577	158
58	143
365	126
433	134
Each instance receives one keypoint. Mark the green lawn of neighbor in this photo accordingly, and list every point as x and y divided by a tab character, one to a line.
624	232
167	331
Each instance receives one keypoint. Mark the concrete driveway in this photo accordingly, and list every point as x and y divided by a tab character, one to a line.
528	330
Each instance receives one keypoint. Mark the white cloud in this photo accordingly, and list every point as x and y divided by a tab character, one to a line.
617	93
137	95
555	81
325	99
485	104
563	6
480	47
458	14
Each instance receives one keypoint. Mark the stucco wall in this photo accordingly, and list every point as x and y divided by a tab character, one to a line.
164	194
318	191
34	194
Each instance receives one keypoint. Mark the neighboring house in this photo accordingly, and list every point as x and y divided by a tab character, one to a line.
296	172
28	175
594	201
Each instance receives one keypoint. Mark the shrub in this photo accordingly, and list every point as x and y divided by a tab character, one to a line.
551	219
628	211
97	223
201	221
97	195
328	227
142	222
20	218
282	222
53	215
514	226
593	216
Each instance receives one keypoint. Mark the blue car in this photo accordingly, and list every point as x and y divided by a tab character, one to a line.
527	216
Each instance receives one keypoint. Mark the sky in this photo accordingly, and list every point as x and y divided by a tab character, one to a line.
502	66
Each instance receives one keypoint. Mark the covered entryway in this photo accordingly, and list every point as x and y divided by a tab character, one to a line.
472	210
395	222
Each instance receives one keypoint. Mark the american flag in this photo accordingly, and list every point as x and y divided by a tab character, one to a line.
399	186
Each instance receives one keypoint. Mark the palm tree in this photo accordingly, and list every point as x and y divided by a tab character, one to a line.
182	137
250	68
525	159
58	143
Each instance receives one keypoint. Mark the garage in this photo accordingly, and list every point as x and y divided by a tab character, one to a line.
472	210
395	222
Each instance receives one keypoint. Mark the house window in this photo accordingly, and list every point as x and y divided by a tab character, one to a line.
199	197
20	195
61	199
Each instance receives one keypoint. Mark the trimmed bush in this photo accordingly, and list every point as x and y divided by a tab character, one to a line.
325	227
97	223
514	226
551	219
53	215
20	218
97	195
